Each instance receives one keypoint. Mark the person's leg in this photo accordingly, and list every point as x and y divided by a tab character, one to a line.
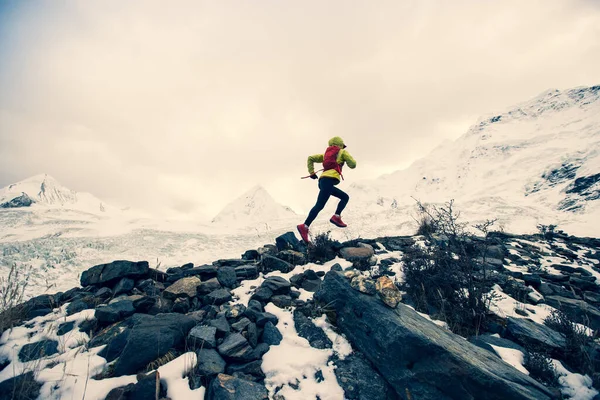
326	187
343	196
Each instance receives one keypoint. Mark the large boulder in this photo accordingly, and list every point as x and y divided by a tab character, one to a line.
414	355
114	271
152	337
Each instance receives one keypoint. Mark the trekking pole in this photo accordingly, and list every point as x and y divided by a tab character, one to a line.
308	176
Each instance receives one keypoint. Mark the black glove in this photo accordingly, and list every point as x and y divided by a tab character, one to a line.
314	176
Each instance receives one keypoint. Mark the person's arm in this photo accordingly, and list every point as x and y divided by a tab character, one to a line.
317	158
348	159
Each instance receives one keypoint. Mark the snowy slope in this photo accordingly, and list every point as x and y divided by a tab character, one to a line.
255	207
537	162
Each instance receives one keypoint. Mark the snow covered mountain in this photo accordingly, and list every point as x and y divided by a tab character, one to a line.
41	207
536	162
256	206
46	191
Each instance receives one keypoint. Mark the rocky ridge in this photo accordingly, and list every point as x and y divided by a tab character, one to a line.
139	319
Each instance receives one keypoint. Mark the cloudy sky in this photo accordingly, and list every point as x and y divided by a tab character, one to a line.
180	109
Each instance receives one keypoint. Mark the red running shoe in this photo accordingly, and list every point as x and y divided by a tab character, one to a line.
337	221
303	229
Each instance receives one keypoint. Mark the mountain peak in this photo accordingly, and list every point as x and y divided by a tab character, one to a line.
43	189
256	205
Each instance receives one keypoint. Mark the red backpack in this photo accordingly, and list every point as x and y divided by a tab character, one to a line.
330	160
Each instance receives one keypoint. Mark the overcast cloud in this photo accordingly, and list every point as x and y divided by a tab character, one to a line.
183	106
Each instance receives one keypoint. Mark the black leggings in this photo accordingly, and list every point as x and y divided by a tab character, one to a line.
327	189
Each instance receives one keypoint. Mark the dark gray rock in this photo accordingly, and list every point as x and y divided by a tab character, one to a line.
152	337
161	306
271	335
577	310
230	262
208	286
22	387
20	201
277	285
270	263
79	305
532	280
218	297
412	353
310	274
114	338
288	241
202	337
64	328
360	381
221	325
150	287
250	255
123	286
235	347
36	350
311	285
114	312
296	280
571	270
113	271
260	350
592	297
336	267
204	272
281	300
252	368
306	329
146	388
253	310
227	276
252	334
262	294
241	324
247	272
227	387
209	362
584	284
263	318
142	303
104	293
181	305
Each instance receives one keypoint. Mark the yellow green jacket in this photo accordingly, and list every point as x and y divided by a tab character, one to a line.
343	157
